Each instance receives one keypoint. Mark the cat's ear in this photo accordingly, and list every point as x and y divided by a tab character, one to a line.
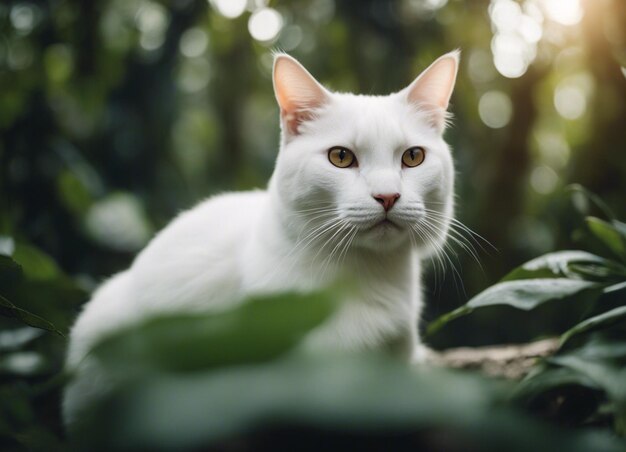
431	90
297	92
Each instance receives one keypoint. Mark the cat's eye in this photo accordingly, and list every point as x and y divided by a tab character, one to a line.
413	156
341	157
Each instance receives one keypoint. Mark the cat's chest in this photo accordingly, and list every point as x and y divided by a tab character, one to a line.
352	279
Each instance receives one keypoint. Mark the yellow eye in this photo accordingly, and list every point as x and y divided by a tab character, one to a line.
341	157
413	156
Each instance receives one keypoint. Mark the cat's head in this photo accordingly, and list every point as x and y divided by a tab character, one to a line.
365	171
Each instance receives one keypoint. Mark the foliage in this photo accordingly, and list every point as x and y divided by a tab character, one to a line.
187	382
585	381
115	115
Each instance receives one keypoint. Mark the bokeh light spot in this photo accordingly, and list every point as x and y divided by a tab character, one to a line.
230	8
570	101
265	24
194	75
544	180
495	109
23	17
119	222
193	42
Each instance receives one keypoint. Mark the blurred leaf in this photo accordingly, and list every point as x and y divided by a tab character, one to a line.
621	227
523	294
36	264
8	309
548	392
569	264
611	379
595	199
73	193
331	397
10	271
260	329
609	235
16	338
600	321
22	363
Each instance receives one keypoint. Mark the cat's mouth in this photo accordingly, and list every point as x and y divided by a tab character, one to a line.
384	224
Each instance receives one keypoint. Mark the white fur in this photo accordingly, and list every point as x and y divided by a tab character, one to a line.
234	245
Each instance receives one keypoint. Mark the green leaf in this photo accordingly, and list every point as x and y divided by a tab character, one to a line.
260	329
528	294
8	309
585	196
610	378
562	264
609	235
366	400
525	294
620	226
10	271
36	264
600	321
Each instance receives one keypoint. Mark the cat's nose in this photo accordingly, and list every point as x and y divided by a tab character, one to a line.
388	200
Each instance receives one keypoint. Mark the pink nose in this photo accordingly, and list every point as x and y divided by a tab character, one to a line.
387	201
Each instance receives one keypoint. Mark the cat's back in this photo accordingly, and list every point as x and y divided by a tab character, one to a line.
197	256
191	265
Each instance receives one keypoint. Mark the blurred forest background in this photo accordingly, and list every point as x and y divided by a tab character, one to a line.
115	115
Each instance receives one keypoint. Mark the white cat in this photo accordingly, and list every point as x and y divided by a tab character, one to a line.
361	193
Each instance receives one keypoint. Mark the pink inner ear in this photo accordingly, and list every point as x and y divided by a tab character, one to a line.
435	85
297	92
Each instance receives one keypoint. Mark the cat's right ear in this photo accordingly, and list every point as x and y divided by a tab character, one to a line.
431	91
297	92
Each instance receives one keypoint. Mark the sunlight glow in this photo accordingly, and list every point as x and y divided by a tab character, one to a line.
565	12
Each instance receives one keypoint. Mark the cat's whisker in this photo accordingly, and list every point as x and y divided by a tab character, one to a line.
340	225
318	217
353	233
314	234
430	230
457	237
473	234
438	264
343	239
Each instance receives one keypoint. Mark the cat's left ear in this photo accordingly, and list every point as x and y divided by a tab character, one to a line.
431	90
297	92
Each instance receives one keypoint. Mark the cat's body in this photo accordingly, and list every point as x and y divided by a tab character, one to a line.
318	224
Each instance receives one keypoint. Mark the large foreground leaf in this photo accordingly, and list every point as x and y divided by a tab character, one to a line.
255	331
332	401
523	294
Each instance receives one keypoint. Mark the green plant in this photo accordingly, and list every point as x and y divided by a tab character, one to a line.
585	381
